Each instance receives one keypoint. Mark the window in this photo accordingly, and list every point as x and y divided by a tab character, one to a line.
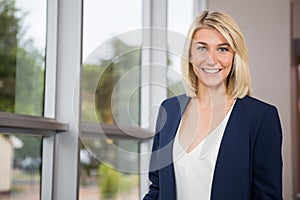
20	167
40	142
111	60
22	56
110	99
109	169
178	24
22	69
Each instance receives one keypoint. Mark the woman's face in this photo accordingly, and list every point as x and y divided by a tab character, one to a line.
211	57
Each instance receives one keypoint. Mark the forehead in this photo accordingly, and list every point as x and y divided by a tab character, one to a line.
209	35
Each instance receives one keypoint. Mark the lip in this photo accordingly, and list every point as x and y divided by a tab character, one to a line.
211	71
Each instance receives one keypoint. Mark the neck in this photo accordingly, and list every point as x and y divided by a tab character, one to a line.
212	96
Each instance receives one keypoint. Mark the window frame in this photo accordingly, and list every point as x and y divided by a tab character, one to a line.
60	125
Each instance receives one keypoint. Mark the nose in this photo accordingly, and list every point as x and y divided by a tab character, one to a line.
211	58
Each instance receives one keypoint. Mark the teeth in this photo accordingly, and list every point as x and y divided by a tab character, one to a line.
211	71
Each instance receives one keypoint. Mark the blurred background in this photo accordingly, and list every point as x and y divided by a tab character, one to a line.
81	82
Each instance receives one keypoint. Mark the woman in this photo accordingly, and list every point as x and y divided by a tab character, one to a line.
215	141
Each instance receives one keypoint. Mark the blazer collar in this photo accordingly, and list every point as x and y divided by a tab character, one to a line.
183	101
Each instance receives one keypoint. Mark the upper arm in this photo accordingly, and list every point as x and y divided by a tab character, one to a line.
267	160
153	192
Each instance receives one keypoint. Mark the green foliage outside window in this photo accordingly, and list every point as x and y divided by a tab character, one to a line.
113	182
109	181
21	65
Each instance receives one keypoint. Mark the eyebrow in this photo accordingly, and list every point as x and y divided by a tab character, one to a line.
222	44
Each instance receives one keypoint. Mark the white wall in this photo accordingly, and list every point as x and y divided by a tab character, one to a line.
266	26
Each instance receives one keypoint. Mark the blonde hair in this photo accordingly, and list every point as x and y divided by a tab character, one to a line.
238	81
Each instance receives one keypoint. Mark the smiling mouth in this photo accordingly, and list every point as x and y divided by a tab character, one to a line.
211	71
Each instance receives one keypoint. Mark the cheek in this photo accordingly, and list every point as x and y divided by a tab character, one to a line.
197	59
226	63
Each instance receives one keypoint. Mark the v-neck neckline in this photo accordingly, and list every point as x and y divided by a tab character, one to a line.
215	132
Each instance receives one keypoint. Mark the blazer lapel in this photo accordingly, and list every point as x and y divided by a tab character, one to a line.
233	157
183	101
174	110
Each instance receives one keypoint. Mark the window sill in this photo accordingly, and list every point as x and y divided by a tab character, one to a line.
112	131
16	123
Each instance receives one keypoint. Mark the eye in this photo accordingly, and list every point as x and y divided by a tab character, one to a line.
201	48
223	49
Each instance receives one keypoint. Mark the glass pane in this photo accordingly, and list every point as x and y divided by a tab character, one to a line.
111	59
20	167
22	55
178	24
109	170
110	95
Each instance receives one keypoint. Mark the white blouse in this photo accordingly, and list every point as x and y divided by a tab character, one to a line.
194	170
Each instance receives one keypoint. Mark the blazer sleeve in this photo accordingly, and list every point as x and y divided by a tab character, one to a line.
267	160
153	192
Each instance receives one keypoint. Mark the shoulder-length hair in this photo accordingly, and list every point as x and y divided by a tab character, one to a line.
238	81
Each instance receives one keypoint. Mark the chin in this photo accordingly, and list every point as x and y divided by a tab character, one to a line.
215	84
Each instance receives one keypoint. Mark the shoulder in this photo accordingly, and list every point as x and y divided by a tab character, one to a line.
179	101
175	99
254	104
257	116
254	111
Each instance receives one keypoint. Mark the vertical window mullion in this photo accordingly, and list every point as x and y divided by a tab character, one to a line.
47	167
67	105
49	98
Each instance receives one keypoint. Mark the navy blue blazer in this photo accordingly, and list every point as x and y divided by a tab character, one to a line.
249	163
